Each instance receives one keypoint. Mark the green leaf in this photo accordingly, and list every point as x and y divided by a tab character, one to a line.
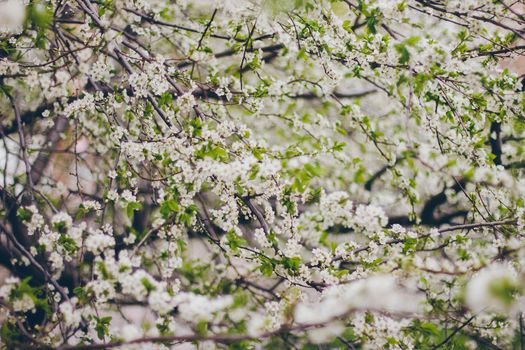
202	328
132	207
234	241
24	214
371	23
266	267
292	264
102	326
347	25
403	53
187	215
169	207
150	287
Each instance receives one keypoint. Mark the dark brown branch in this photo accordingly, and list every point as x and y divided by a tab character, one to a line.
495	141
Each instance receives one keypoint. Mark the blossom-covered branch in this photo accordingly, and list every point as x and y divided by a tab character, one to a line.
270	174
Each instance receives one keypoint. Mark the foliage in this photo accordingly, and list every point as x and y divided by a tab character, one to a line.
262	174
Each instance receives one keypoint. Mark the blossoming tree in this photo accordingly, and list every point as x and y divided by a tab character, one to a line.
262	174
